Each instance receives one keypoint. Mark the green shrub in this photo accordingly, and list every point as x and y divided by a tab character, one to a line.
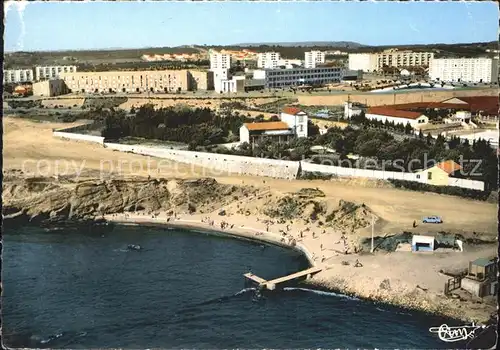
449	190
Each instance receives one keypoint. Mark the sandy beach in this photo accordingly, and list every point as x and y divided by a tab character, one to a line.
410	280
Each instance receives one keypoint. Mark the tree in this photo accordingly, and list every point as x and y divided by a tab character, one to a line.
421	134
408	129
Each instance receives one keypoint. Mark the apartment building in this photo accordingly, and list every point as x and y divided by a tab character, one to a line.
366	62
268	60
128	81
220	61
313	58
396	58
282	78
52	72
17	76
370	62
200	80
50	88
471	70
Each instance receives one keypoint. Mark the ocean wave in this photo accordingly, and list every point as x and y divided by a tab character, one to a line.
397	312
321	292
245	290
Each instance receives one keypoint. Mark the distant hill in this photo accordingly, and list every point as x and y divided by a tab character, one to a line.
339	44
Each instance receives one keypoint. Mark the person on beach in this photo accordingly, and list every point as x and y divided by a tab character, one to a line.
321	246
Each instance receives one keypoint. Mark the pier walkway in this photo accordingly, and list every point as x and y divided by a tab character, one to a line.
272	284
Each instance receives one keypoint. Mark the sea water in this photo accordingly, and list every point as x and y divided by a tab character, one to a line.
183	289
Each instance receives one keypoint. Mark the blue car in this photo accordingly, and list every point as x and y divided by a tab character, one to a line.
432	220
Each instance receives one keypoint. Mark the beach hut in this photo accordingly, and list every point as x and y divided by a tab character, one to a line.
422	243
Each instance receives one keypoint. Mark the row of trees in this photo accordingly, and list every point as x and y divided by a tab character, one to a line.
204	127
408	154
200	126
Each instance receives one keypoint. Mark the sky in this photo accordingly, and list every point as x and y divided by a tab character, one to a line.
50	26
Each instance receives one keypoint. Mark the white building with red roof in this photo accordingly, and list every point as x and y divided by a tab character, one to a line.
397	116
293	124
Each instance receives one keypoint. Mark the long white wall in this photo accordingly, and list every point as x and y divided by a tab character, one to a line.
79	137
464	183
259	166
220	162
355	172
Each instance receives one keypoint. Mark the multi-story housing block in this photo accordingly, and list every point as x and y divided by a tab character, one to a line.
268	60
219	61
313	58
473	70
369	62
282	78
52	72
128	81
396	58
17	76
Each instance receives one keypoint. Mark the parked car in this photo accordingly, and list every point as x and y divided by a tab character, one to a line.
432	220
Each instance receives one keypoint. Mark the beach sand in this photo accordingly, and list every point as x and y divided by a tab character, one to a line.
411	280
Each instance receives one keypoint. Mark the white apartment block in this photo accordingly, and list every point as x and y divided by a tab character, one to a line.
313	58
269	60
52	72
366	62
219	61
17	76
369	62
471	70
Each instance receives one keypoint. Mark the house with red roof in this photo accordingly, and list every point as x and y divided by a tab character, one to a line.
296	119
439	174
293	123
397	116
485	107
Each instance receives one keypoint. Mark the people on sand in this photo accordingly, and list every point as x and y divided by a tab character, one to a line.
414	224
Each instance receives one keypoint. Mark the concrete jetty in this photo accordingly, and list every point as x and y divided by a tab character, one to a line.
272	284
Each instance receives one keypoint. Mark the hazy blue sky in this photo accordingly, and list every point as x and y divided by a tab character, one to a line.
92	25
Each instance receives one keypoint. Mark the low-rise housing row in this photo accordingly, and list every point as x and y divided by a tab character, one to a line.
183	57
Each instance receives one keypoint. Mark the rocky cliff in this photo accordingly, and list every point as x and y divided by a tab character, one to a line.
45	200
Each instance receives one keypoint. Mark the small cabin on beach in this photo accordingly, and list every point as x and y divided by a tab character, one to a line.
422	243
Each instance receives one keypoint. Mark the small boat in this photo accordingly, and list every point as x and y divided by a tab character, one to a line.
134	247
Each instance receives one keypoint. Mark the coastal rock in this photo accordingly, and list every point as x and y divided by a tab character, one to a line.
41	200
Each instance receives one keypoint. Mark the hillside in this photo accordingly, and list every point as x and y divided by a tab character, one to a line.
288	50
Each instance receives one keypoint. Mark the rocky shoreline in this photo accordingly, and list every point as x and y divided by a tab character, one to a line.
315	225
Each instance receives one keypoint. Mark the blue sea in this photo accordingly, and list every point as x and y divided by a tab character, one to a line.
82	288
